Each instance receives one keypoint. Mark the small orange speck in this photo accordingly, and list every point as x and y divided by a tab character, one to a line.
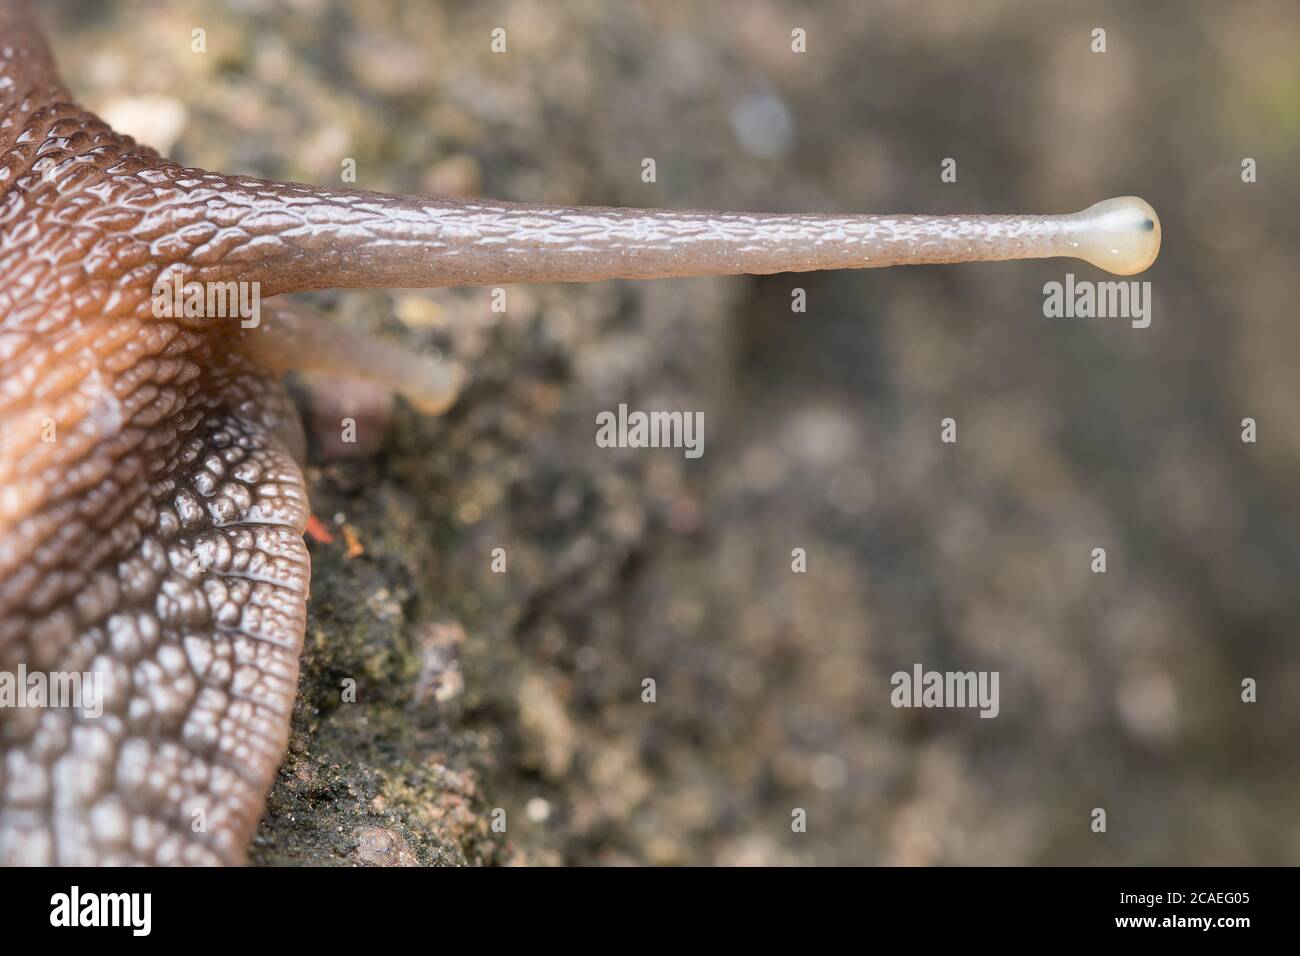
318	532
354	545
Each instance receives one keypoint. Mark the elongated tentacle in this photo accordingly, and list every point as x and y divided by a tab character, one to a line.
295	238
295	337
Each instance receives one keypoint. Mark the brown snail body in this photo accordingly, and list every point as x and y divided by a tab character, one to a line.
151	508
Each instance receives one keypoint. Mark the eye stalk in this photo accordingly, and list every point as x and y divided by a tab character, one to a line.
1119	235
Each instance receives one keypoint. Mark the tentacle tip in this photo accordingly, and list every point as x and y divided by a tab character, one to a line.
1120	235
435	389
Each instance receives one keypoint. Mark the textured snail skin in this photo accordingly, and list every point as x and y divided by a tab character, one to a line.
157	538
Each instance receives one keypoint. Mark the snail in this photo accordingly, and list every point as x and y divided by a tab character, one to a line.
151	503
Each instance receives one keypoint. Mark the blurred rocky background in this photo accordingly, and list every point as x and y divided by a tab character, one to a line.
521	692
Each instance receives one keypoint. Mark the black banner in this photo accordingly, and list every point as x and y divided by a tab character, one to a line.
337	905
